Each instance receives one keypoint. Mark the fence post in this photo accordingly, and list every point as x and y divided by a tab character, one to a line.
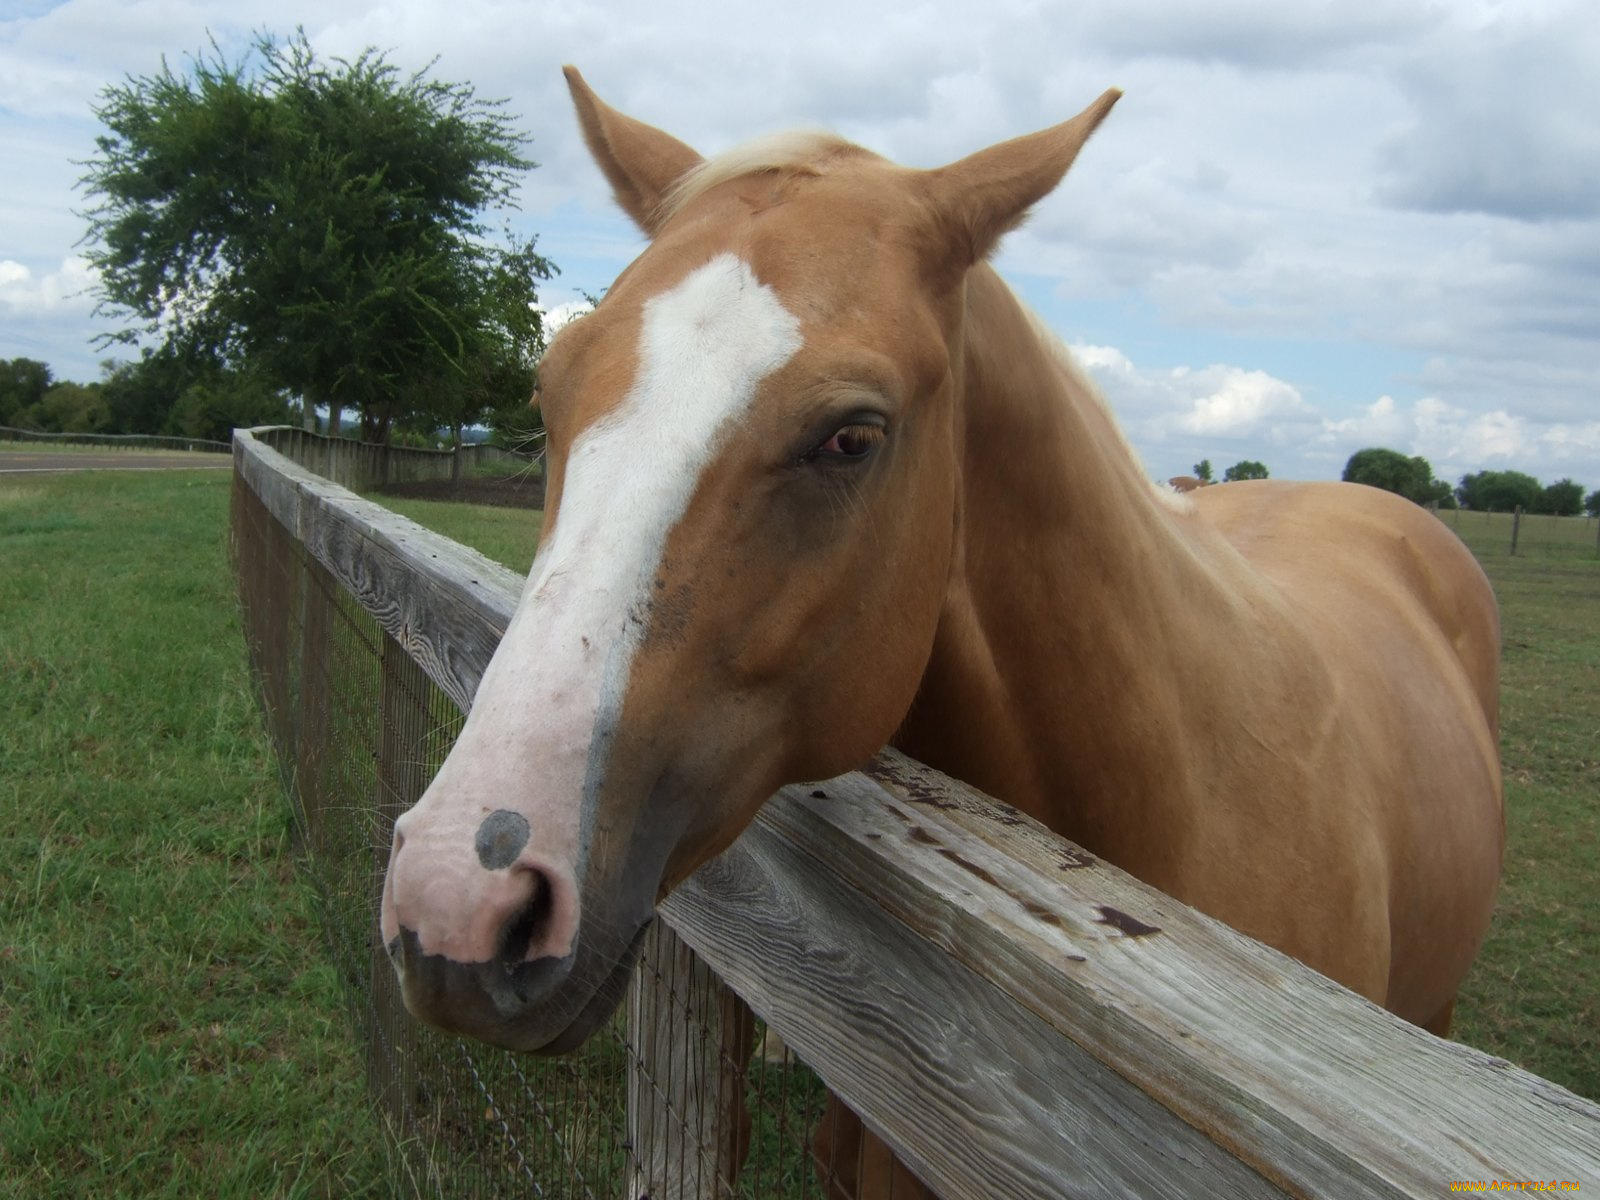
692	1039
1516	524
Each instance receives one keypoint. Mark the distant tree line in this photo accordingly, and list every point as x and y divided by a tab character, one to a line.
285	230
1245	469
1484	491
156	395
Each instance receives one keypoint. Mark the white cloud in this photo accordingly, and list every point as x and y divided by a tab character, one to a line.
1411	182
1234	402
559	317
1502	118
25	294
1217	401
1381	423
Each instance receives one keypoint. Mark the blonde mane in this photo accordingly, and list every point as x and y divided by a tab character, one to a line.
799	151
1080	381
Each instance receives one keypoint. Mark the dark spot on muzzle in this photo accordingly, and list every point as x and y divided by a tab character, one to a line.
501	838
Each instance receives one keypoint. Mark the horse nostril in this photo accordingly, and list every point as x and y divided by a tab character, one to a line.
529	926
500	839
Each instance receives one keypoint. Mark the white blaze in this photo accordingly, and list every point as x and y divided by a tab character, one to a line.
548	701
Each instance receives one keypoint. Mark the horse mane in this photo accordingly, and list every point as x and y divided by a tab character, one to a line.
798	151
1081	384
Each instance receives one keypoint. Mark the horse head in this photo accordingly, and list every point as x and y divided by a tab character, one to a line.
751	518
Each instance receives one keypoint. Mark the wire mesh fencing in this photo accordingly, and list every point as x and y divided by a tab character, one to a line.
682	1094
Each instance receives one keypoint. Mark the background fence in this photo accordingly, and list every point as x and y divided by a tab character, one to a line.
112	440
364	465
1011	1016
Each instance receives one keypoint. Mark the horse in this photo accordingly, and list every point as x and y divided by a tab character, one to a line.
818	482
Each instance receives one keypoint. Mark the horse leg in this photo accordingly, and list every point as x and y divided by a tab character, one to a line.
1439	1023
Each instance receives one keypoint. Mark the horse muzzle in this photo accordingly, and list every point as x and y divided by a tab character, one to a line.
544	1006
490	937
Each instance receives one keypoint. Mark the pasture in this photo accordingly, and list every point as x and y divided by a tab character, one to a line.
168	1025
1534	994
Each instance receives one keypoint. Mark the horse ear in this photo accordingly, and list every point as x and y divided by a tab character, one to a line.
989	193
640	161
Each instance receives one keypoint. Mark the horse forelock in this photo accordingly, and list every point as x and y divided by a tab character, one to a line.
796	152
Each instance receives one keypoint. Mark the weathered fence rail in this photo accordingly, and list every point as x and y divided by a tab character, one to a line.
363	465
1012	1016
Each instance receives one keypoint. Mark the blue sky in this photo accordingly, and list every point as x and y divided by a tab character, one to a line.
1306	228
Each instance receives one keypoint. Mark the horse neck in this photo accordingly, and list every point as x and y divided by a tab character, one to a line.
1083	612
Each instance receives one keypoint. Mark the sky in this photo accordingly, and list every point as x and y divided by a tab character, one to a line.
1306	229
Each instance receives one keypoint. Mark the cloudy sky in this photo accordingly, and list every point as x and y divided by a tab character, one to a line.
1308	227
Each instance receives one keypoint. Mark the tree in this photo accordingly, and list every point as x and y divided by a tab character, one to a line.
1202	471
1247	469
1591	503
318	226
492	378
1563	498
1411	477
23	383
68	408
1498	491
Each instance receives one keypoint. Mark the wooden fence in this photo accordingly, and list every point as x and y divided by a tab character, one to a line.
1012	1016
140	441
364	465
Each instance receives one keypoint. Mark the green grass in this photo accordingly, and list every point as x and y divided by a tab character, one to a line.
1534	995
169	1025
507	535
61	446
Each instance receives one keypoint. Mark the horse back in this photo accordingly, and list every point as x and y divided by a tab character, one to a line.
1408	631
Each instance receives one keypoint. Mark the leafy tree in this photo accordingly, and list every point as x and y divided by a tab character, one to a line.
1247	469
1591	503
69	408
1411	477
317	224
214	410
1563	498
1498	491
23	383
1202	471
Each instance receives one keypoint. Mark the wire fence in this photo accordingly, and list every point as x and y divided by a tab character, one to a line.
1535	535
359	729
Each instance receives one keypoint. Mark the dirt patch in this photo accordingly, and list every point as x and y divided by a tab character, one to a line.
508	492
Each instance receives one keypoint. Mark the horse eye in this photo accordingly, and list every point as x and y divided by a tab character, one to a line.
851	442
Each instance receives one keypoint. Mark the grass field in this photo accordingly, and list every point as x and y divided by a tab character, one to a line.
507	535
1534	995
168	1023
168	1026
63	446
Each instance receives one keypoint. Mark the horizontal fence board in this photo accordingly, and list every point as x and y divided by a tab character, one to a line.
446	604
1319	1090
966	1085
1124	1042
